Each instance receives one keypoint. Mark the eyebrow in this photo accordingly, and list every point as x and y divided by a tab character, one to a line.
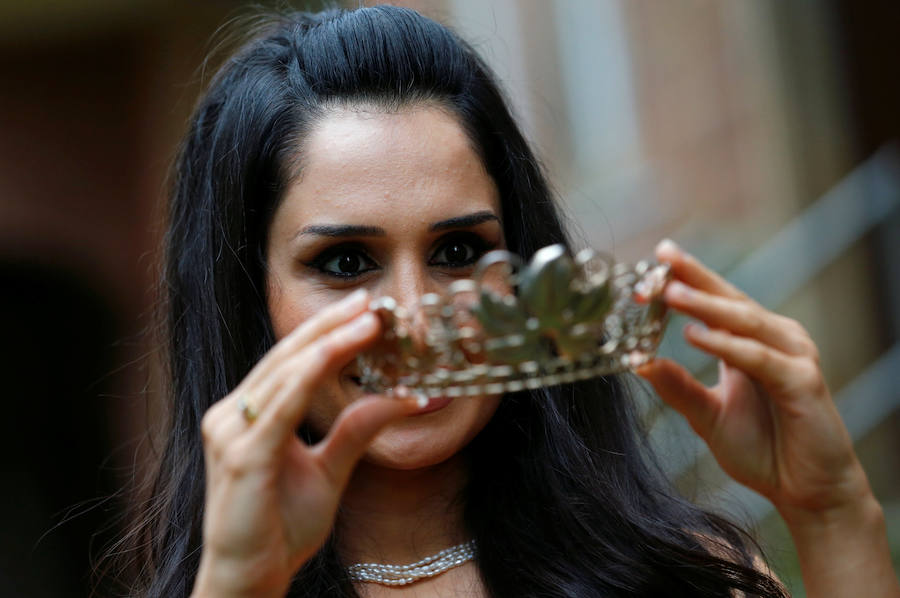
464	221
342	230
358	230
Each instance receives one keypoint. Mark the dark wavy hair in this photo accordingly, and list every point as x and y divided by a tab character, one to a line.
563	498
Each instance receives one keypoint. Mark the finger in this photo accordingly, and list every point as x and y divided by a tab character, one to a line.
353	432
323	322
738	317
677	387
214	431
305	372
226	420
770	367
262	383
689	269
220	425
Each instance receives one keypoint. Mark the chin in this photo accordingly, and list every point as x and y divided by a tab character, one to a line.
408	449
429	439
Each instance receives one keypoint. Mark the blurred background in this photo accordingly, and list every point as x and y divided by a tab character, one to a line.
760	135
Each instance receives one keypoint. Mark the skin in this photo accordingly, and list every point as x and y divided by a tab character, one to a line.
409	177
272	499
401	174
412	171
771	424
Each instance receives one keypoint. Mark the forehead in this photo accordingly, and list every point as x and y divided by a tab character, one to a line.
381	168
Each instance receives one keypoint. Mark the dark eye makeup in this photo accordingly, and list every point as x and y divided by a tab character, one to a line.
347	261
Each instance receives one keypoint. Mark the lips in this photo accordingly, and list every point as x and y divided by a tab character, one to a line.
433	404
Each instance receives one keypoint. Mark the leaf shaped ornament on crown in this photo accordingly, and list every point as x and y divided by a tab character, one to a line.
513	326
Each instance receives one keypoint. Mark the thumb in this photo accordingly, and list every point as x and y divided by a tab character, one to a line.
354	430
677	387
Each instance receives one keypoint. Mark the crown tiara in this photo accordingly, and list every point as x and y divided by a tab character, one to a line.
512	326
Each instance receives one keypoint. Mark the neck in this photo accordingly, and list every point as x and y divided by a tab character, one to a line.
399	517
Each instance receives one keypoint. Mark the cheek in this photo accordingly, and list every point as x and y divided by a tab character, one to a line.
288	308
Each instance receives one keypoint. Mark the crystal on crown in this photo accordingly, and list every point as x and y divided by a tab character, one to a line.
513	326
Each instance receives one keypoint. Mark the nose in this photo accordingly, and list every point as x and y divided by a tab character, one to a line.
406	281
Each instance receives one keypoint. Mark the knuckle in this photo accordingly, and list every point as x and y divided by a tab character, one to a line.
760	358
798	326
207	427
209	430
753	321
234	462
806	346
355	429
812	351
738	294
809	376
794	326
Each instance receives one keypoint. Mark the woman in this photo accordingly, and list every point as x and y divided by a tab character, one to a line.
343	156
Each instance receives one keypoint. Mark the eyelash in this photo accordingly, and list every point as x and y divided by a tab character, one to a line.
478	245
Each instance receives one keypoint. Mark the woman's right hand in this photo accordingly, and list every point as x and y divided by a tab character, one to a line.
271	499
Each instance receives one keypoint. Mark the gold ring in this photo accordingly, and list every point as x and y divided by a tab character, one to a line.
248	410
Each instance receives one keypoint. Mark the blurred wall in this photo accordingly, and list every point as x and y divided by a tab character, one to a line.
715	123
93	99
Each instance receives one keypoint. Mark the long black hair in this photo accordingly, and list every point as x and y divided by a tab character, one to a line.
562	498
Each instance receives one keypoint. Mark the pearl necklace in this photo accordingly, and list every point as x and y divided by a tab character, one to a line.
401	575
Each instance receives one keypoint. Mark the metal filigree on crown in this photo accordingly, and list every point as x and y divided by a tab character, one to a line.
513	326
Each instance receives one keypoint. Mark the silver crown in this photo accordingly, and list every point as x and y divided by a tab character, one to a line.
514	326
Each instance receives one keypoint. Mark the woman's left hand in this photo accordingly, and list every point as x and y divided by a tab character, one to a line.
769	421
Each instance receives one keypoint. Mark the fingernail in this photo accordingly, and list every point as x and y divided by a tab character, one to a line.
678	290
668	246
421	400
411	404
354	301
696	330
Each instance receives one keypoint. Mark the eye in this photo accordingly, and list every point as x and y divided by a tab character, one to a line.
460	251
344	262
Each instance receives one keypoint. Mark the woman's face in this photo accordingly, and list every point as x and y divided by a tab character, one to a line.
398	204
